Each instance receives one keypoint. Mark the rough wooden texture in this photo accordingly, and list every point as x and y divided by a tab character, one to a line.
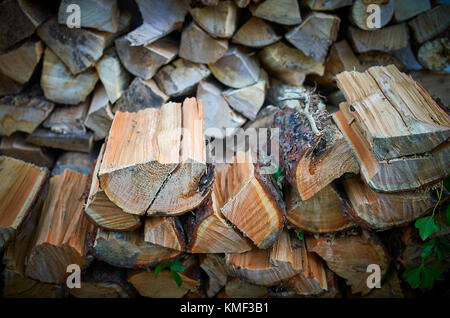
199	47
323	213
390	288
102	15
21	185
382	211
236	68
180	77
67	119
19	19
285	12
360	13
82	142
61	86
15	146
348	256
219	21
430	23
326	5
144	61
157	23
256	33
214	266
79	49
165	231
433	82
387	39
247	100
23	112
19	63
141	94
129	250
8	86
63	232
237	288
407	57
315	35
124	27
433	55
76	161
99	116
407	9
378	58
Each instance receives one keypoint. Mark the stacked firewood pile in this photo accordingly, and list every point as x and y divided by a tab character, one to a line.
107	130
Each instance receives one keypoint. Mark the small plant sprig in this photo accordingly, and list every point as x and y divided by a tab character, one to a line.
175	267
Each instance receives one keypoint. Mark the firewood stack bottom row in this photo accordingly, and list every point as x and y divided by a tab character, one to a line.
106	156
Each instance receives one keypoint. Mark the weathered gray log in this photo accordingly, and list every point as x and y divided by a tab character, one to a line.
256	33
219	21
280	11
100	116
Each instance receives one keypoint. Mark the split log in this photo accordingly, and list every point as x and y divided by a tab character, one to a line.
21	185
19	19
430	23
242	3
165	231
407	9
433	83
256	33
237	288
101	280
63	233
433	55
112	74
102	211
315	35
67	119
219	21
78	49
141	94
43	137
100	116
76	161
15	146
311	161
405	120
326	5
214	266
348	256
180	77
360	14
407	57
60	86
382	211
390	288
129	250
220	120
250	200
102	15
158	23
288	64
23	112
387	39
323	213
247	100
19	63
124	27
285	12
199	47
8	86
144	61
164	285
236	68
378	58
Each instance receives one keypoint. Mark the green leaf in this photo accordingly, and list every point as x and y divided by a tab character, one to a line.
161	266
176	277
429	275
277	174
413	276
427	226
300	236
429	248
178	267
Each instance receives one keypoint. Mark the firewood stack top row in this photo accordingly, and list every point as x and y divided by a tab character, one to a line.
107	130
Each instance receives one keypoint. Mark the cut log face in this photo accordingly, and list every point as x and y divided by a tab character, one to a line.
214	266
102	15
23	112
15	146
19	19
141	94
220	120
315	35
60	86
219	21
180	77
360	14
20	63
430	23
102	211
237	288
144	61
63	232
280	11
323	213
113	75
67	119
70	142
407	9
382	211
349	256
124	27
250	200
405	120
165	231
100	116
247	100
158	23
390	288
21	185
129	250
387	39
433	54
199	47
326	5
79	49
8	86
289	64
256	33
236	68
76	161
